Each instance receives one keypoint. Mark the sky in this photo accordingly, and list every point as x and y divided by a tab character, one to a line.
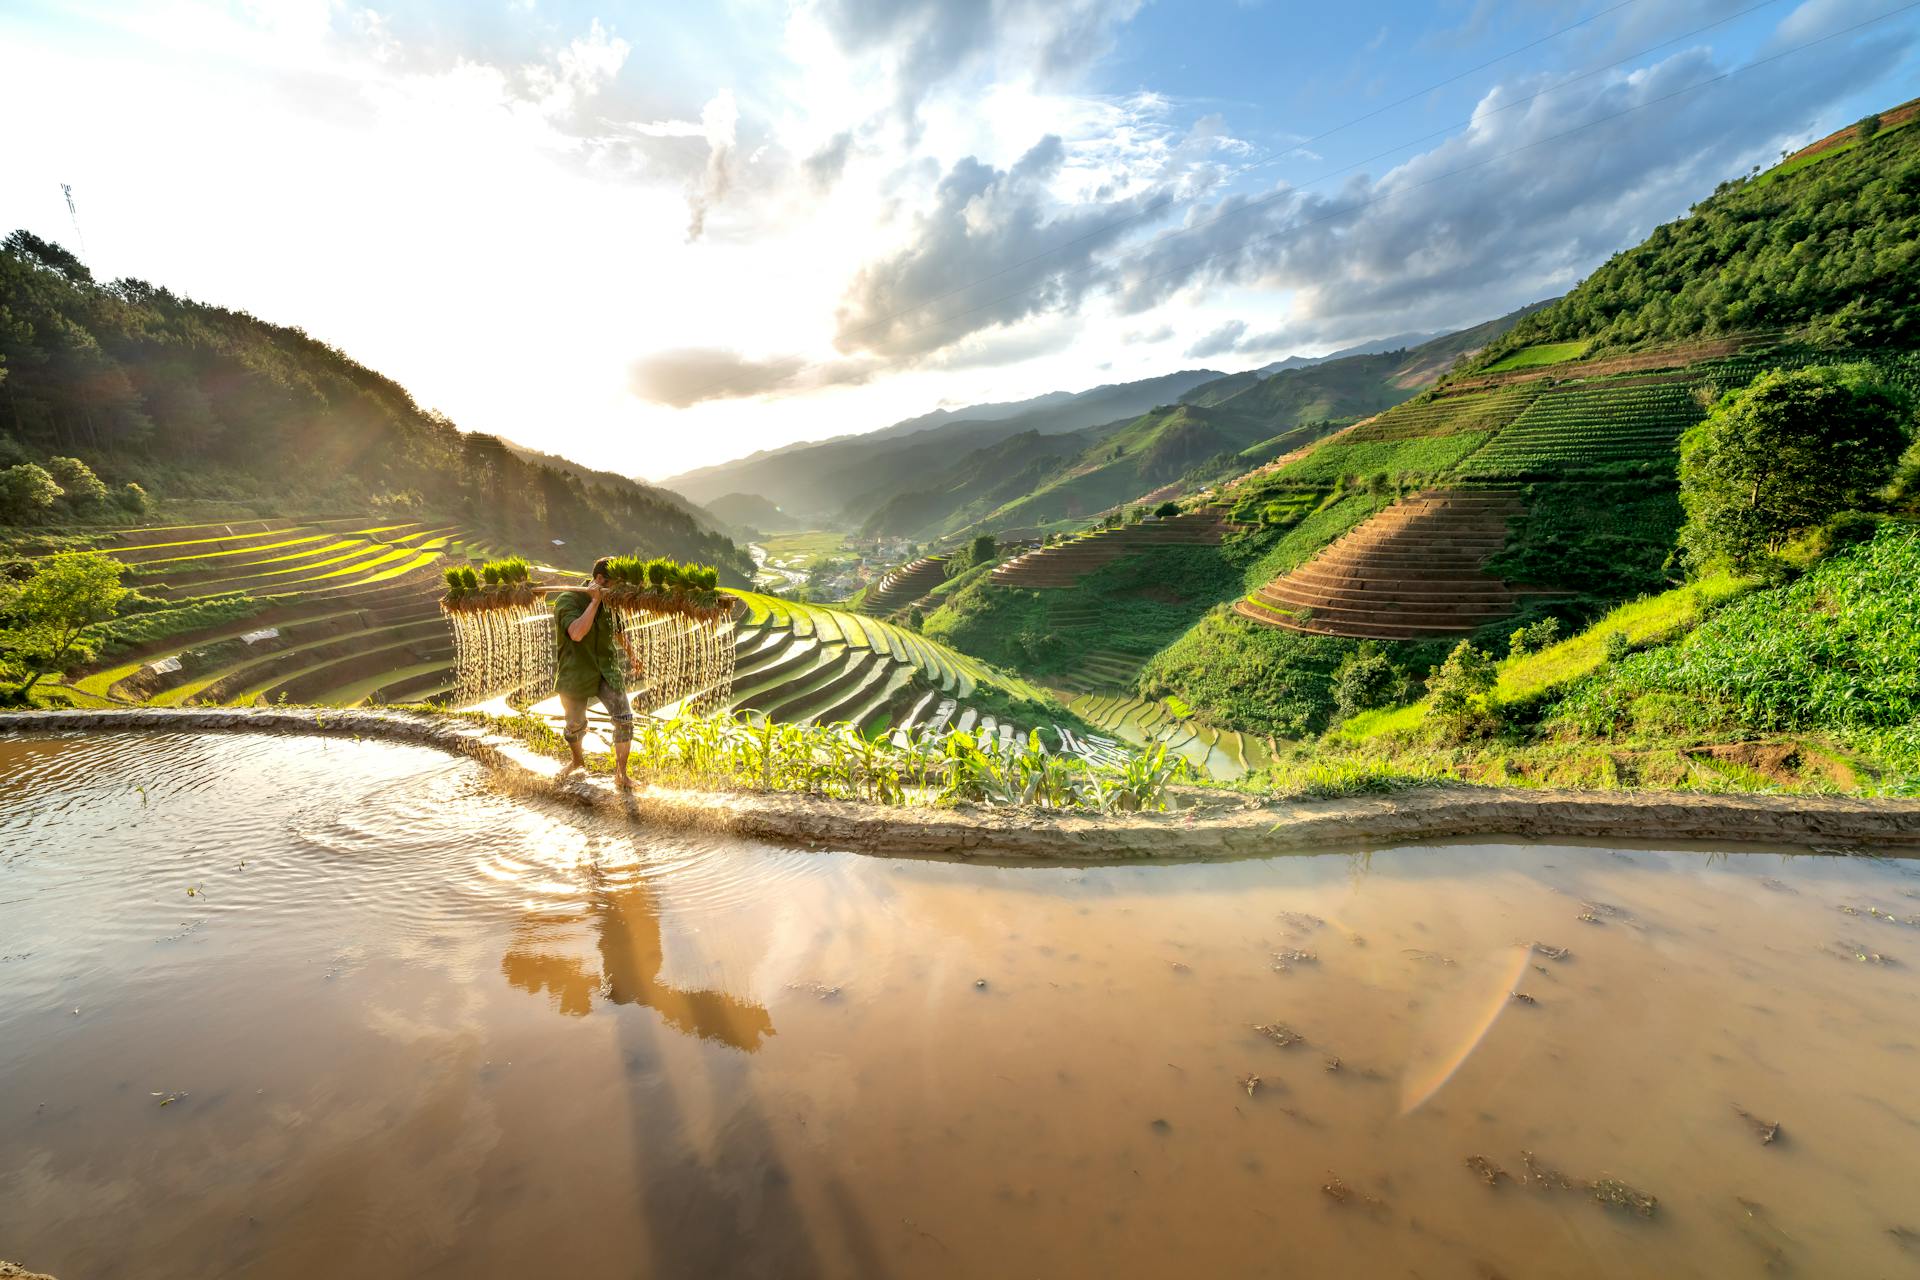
653	237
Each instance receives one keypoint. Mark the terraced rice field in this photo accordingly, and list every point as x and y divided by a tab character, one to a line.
1225	754
900	587
1445	416
1064	563
1590	425
804	663
348	612
1411	572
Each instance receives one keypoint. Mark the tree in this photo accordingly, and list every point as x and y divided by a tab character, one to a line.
26	492
83	488
1166	509
983	550
1868	126
1785	455
1466	676
1365	680
51	619
133	499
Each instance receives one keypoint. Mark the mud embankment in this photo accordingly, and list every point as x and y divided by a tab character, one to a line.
1221	826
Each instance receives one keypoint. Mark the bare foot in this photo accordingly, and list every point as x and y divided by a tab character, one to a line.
570	768
622	782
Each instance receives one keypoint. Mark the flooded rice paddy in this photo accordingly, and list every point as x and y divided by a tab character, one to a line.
287	1007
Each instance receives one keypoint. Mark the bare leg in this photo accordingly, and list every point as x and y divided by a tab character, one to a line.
579	760
620	753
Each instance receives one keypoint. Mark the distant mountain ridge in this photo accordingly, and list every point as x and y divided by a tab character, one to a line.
1235	421
822	478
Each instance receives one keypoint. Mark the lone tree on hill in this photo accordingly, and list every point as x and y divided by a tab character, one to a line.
1786	455
1166	510
51	620
984	549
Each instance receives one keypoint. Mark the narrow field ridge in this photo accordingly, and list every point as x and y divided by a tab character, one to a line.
1223	827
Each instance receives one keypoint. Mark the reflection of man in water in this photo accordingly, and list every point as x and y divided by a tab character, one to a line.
631	956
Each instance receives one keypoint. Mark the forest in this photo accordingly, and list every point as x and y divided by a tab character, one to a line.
192	401
1837	248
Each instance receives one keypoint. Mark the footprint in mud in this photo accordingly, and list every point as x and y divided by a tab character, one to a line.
1757	1225
1337	1190
1608	1191
1767	1131
1280	1034
1778	885
1284	961
1861	953
1489	1172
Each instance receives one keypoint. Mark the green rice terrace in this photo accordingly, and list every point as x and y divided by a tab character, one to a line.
339	612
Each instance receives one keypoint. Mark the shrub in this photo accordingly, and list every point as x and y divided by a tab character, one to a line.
1462	683
1363	681
1543	634
133	499
27	492
1618	646
84	490
1166	509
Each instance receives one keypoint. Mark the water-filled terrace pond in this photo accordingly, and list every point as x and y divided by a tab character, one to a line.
278	1007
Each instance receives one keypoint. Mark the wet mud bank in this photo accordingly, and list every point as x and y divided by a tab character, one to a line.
1224	827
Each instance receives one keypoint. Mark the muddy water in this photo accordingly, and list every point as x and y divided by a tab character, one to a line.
403	1026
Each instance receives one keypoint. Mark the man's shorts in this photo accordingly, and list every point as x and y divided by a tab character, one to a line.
614	700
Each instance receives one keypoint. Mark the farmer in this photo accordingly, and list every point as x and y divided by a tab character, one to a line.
586	667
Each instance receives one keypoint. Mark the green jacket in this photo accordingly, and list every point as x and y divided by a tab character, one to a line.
580	665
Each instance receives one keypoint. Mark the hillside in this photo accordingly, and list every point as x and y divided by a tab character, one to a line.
1829	240
1535	479
739	512
215	412
855	474
1217	427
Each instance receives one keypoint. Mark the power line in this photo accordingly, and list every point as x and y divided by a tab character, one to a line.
1171	199
1452	173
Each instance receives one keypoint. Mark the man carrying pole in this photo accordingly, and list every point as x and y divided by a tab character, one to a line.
586	667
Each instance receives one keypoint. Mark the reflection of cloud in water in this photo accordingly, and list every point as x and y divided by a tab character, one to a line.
626	926
1458	1023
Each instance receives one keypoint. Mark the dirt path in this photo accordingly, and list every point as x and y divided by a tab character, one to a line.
1223	826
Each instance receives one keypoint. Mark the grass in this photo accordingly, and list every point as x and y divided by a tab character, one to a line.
1798	163
1544	353
1837	652
1649	620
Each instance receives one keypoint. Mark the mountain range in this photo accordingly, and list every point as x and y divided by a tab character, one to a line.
1065	456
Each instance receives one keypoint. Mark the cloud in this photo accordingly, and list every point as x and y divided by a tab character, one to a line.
920	46
825	166
688	376
995	247
1147	337
1522	204
1221	341
719	120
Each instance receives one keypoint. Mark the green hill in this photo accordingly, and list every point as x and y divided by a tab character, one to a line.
218	413
1828	241
1543	460
1219	427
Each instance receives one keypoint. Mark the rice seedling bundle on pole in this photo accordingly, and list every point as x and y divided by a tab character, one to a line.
675	625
